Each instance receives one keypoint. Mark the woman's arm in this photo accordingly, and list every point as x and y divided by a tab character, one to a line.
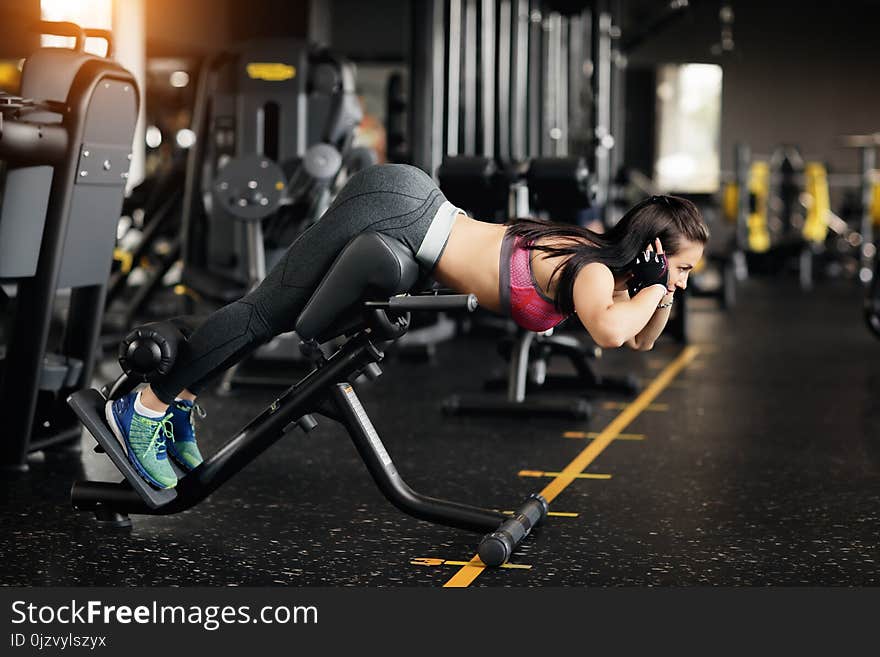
612	323
644	339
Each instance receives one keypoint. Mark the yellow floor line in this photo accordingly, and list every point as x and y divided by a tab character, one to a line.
467	574
541	473
617	406
431	561
595	434
557	514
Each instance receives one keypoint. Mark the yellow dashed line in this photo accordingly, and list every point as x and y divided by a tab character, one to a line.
540	473
557	514
469	572
595	434
619	406
429	561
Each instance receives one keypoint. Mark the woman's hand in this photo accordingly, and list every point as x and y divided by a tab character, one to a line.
649	268
658	249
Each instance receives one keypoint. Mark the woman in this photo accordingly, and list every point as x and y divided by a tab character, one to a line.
619	284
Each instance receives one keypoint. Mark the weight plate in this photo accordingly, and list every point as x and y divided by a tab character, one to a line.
249	187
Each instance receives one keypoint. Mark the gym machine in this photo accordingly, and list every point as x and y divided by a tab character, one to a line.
363	300
66	143
865	239
781	208
274	122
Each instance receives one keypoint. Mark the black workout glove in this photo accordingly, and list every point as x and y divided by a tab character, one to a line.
649	268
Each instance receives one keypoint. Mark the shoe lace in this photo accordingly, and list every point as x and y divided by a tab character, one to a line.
189	409
195	409
164	429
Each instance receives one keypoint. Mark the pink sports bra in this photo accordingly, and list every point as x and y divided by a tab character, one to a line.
524	301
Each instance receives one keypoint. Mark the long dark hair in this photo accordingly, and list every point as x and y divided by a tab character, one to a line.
671	218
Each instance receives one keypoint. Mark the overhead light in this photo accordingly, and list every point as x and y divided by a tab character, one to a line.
153	137
185	138
179	79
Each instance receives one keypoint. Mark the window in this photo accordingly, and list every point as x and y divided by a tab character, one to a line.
688	128
85	13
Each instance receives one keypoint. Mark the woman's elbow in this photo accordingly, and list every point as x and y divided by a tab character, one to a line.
604	335
608	339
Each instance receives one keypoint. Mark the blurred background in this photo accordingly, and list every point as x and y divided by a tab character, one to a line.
656	95
773	73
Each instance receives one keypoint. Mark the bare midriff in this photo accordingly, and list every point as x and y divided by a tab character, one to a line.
469	263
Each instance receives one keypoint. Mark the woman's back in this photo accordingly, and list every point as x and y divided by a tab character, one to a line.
469	262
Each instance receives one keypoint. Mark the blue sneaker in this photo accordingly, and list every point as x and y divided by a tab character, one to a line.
144	440
183	448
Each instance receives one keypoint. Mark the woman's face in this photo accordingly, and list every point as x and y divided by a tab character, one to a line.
682	262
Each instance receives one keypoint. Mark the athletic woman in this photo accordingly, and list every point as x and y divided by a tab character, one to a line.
620	284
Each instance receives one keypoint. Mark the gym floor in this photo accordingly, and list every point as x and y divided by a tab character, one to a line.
750	458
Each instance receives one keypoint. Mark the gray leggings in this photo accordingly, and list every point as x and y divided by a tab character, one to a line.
396	200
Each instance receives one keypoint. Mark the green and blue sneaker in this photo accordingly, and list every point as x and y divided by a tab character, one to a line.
182	447
144	440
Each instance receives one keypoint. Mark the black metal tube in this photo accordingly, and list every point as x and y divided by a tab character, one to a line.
868	167
81	335
122	386
742	156
83	328
395	489
94	495
63	28
425	115
105	35
26	144
495	548
434	303
192	201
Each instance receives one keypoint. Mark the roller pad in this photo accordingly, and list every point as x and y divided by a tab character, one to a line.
496	548
150	350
